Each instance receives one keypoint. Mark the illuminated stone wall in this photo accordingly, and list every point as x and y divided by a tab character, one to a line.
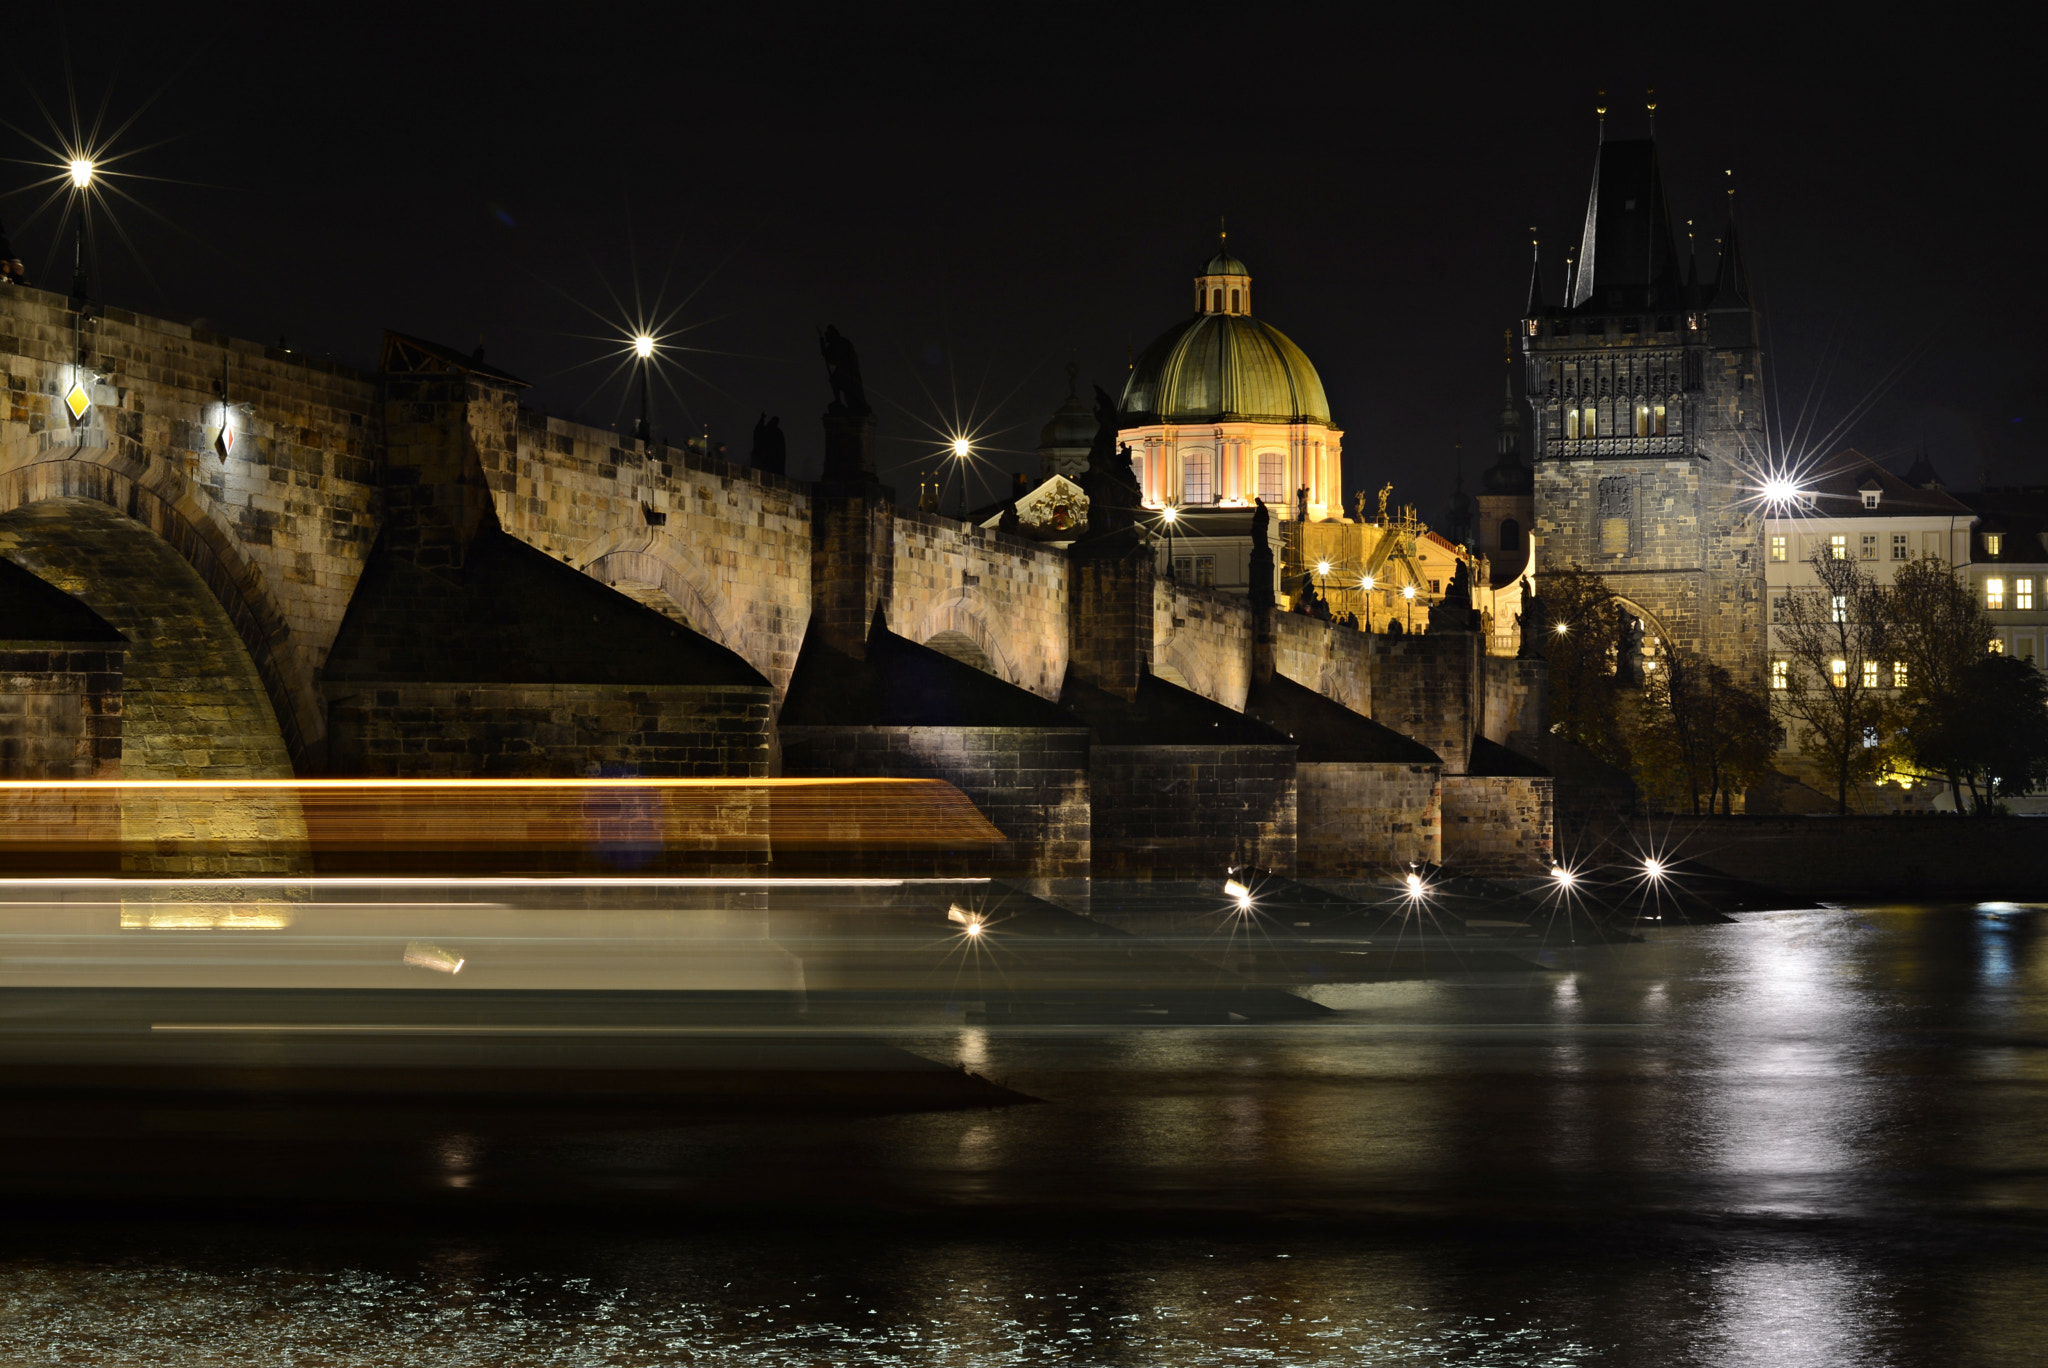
60	711
1497	825
1202	640
1356	819
277	530
1007	594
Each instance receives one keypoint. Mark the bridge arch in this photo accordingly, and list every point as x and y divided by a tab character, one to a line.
697	602
95	477
965	613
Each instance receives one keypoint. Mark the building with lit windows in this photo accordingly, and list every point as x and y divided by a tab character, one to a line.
2008	567
1851	508
1223	409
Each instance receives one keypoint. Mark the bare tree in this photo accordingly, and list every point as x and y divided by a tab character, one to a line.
1940	633
1583	633
1838	643
1702	734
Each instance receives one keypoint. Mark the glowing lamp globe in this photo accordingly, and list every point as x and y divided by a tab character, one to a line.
643	346
1322	567
1170	514
81	173
1407	591
1365	583
961	447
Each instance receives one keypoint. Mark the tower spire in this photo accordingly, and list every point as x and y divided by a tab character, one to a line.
1650	98
1536	300
1731	282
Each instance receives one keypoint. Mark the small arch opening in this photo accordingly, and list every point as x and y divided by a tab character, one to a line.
1217	303
1233	302
1510	535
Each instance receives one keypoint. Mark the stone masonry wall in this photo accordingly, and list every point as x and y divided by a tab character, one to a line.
60	711
278	529
1335	661
1032	784
1204	636
1007	594
1516	701
1426	688
1354	820
1497	826
728	547
514	730
1192	811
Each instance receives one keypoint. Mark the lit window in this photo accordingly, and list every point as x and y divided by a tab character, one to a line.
1869	546
1777	548
1994	592
1998	645
1272	477
1898	674
1869	674
1660	421
1838	608
2023	595
1994	544
1898	546
1194	478
1838	670
1781	674
1642	420
1838	547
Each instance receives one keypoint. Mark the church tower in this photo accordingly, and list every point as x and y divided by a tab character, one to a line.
1647	405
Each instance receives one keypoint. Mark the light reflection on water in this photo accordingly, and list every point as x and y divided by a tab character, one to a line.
1810	1138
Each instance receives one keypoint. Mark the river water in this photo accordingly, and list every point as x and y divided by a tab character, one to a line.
1812	1137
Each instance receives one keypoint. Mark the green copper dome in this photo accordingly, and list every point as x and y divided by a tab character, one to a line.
1224	365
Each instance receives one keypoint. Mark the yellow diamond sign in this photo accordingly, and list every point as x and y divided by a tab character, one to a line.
78	401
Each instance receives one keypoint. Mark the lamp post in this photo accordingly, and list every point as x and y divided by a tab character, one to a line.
643	351
1408	592
1322	575
962	449
1169	515
1365	595
81	182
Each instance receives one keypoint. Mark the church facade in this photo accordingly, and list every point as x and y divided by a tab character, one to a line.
1645	392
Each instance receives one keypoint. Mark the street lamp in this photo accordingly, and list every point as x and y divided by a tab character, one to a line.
81	184
1408	593
1170	515
643	351
962	449
1365	594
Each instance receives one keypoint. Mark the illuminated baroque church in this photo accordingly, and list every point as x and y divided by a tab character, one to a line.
1223	409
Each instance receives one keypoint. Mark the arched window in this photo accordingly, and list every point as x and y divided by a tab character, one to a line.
1233	301
1273	477
1194	478
1217	303
1510	535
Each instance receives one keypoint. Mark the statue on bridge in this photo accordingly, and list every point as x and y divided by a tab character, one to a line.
842	367
771	448
1109	483
1533	622
1262	556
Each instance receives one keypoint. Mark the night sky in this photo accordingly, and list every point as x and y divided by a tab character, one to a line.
977	195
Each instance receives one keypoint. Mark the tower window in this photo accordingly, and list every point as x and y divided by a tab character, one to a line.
1994	593
1777	548
1273	477
1898	546
1642	420
1660	421
1510	535
1217	303
1233	301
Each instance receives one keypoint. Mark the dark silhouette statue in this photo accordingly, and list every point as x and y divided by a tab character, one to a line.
1262	556
1112	490
1454	612
771	450
842	366
1628	655
1535	623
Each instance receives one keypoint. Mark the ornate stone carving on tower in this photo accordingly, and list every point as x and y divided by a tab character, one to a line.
1645	392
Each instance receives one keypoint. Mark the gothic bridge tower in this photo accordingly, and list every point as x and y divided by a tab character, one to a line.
1645	391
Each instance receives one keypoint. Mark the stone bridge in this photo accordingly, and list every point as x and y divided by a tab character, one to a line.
224	506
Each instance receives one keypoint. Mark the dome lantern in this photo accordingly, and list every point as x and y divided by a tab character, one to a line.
1224	284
